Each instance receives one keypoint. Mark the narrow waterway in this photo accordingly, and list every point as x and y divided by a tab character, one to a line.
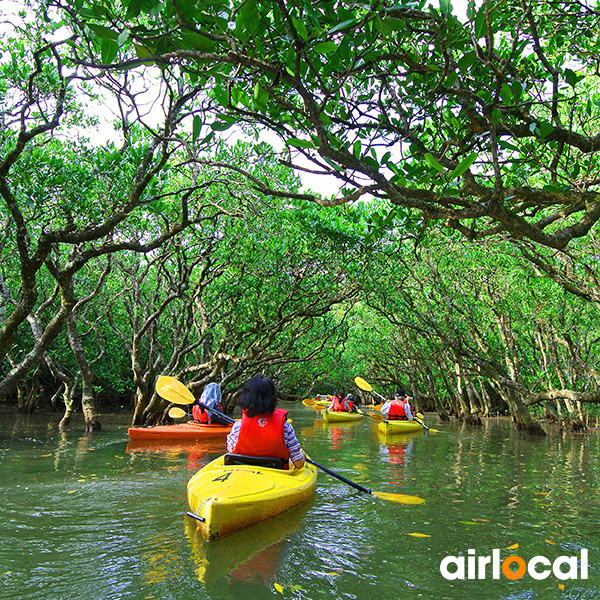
95	517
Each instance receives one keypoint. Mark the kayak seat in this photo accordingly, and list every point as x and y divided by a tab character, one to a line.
255	461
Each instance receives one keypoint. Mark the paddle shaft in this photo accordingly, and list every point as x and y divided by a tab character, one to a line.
421	423
217	412
340	477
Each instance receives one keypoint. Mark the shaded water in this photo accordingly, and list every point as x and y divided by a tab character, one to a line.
93	517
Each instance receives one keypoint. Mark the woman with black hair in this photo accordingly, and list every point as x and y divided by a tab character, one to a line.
263	429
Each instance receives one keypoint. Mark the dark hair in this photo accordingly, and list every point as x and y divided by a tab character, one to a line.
338	395
258	397
400	393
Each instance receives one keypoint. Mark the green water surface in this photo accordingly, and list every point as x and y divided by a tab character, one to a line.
93	517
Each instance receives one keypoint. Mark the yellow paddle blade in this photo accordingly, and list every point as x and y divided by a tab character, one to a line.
377	417
176	413
400	498
318	406
173	390
308	402
362	384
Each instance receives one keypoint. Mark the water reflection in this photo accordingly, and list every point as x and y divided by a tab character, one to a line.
248	555
199	454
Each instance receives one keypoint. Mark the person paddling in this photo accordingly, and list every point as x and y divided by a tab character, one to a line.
211	398
398	408
341	404
263	429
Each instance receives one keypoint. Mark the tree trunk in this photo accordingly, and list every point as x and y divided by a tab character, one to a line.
88	401
521	417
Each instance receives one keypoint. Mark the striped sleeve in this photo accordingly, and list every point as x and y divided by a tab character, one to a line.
291	442
232	436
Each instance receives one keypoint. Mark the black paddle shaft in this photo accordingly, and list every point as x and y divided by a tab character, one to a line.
217	412
340	477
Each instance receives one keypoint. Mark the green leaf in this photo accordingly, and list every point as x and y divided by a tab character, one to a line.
142	51
109	49
432	161
546	129
463	165
300	143
572	78
196	127
343	25
480	23
506	93
123	37
221	125
103	32
445	7
300	28
325	47
260	97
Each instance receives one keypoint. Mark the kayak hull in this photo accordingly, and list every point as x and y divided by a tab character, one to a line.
229	498
340	416
190	431
399	426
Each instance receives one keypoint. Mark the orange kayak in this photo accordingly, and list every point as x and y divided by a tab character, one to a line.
180	431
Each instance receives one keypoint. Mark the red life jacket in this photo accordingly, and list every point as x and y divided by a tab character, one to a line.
201	415
397	411
262	435
338	405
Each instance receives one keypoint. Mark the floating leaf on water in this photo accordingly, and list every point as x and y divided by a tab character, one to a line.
542	493
550	542
278	587
482	520
419	535
468	523
561	586
71	492
513	547
45	455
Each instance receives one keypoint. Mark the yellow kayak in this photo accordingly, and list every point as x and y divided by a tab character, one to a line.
399	426
228	498
341	416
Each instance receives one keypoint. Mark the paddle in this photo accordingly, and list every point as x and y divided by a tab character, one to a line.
367	387
316	405
174	391
377	417
401	498
176	413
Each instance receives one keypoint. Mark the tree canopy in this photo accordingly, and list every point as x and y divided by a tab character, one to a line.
143	211
487	123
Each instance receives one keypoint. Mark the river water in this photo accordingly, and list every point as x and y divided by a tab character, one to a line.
93	517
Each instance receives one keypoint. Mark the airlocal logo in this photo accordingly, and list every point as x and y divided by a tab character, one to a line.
538	567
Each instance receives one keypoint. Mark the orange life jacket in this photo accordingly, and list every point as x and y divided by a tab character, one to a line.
262	435
397	411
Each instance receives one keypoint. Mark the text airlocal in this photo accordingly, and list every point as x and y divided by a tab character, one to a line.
513	567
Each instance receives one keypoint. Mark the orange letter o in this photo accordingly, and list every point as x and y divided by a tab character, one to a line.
513	574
